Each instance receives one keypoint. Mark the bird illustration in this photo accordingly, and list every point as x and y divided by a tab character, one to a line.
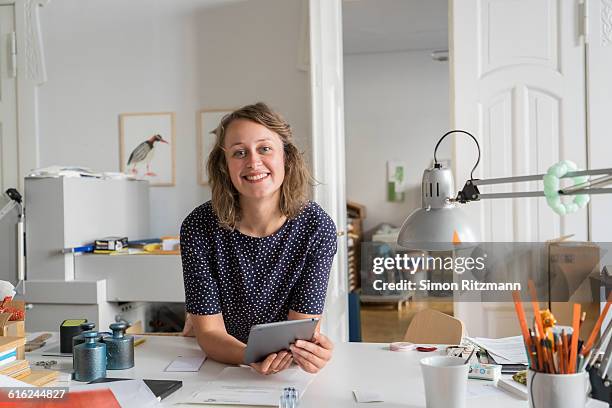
144	153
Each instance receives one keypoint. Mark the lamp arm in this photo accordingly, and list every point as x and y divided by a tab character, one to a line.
523	194
470	190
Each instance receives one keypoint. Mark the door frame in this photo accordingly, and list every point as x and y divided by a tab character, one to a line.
31	73
327	115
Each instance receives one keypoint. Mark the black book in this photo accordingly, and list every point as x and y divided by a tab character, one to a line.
161	388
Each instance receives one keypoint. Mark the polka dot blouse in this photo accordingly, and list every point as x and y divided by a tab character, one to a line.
253	280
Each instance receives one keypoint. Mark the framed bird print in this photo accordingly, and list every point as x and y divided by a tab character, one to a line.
147	146
208	120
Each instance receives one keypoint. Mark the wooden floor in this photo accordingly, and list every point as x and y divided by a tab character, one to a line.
382	323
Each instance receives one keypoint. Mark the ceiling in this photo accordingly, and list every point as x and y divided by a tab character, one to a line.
372	26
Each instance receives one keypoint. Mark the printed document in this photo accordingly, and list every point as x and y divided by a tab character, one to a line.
507	350
244	386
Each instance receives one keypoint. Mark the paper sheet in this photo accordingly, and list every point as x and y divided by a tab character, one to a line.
592	403
477	389
507	350
367	396
186	364
129	393
244	386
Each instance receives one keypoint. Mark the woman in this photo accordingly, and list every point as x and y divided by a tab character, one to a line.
258	252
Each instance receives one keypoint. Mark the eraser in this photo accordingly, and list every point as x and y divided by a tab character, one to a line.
402	346
489	372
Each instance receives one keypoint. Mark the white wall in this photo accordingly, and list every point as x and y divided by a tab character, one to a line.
396	108
106	57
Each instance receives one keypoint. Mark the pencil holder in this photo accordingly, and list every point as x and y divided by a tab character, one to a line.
557	390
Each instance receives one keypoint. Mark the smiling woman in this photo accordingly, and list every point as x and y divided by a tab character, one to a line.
259	251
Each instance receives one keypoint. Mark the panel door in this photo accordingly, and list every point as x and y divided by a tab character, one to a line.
518	84
599	83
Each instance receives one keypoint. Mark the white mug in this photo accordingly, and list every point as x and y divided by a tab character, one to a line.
445	380
557	390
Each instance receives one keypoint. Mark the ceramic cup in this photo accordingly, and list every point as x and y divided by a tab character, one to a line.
445	380
557	390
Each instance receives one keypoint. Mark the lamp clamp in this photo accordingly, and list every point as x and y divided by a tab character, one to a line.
469	193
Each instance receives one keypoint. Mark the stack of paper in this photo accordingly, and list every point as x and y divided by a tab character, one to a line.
244	386
507	350
8	348
517	389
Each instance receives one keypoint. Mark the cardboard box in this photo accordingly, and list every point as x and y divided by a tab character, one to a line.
571	264
14	328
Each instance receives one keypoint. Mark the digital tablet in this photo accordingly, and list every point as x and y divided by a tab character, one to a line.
265	339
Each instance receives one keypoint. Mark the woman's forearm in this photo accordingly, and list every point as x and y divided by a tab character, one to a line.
221	347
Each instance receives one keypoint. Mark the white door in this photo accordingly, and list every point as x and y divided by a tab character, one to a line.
599	83
517	84
518	80
9	152
328	148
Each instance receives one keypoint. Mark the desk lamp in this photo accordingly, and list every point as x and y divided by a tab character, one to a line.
441	225
16	202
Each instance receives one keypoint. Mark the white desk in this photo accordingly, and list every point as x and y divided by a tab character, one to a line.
362	366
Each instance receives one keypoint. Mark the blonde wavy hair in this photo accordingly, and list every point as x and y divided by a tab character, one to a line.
296	185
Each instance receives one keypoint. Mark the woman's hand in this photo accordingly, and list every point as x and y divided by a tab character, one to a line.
188	328
274	363
313	355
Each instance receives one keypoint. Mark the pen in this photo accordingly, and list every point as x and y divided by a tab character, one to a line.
605	362
593	353
537	361
75	250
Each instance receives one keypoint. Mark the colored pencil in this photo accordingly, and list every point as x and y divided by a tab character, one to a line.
566	351
591	340
575	334
561	345
536	309
555	355
518	306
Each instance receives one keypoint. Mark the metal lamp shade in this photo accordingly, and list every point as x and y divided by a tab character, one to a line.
439	225
436	229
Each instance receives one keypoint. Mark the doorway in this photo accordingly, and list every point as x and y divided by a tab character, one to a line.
396	81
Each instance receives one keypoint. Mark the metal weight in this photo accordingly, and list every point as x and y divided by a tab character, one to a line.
119	348
89	358
78	339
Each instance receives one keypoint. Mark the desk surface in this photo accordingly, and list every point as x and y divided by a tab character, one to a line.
355	366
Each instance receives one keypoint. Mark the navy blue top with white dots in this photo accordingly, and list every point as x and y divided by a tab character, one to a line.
252	280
